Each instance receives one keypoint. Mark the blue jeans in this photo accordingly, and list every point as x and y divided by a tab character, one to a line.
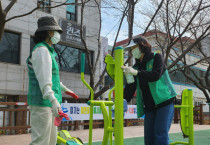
157	124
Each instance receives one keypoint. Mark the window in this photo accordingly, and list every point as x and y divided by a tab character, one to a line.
10	48
178	77
44	5
69	59
3	98
71	11
197	103
108	80
32	44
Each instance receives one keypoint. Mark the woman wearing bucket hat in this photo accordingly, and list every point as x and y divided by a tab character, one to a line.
44	94
155	92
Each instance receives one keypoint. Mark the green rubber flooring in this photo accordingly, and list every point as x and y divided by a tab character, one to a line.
200	138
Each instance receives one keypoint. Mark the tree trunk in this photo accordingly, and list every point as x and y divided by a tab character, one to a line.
2	24
130	25
209	113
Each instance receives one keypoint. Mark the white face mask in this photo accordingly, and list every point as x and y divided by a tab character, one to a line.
136	53
56	38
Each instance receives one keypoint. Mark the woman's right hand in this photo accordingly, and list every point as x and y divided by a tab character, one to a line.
56	107
129	70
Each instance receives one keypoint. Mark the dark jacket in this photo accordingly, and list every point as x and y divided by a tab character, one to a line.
144	77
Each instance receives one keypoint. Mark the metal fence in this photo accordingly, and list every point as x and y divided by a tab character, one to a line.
16	120
199	116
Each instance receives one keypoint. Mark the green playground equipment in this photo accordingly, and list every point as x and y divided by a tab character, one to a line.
186	117
64	138
113	67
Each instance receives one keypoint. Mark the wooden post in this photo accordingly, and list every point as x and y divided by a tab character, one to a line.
10	118
176	112
24	122
76	125
126	122
4	119
201	114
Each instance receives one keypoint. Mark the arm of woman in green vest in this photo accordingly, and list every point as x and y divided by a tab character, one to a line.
68	91
149	76
158	68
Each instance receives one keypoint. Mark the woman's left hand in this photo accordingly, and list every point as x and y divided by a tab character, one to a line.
129	70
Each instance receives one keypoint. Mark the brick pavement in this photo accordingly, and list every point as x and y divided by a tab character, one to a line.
129	132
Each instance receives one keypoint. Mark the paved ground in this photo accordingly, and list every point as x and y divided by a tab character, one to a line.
129	132
201	138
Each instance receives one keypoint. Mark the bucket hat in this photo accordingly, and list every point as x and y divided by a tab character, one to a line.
48	23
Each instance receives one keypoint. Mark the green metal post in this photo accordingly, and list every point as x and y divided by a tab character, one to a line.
110	116
186	114
118	129
61	140
92	93
107	127
191	129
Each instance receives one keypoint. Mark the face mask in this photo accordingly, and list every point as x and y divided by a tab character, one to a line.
56	38
136	53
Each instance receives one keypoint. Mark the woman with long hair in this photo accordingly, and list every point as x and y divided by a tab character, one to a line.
155	92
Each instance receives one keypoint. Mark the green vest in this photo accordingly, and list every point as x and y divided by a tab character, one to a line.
35	96
161	90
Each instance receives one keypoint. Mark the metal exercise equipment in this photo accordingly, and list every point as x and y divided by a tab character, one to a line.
113	67
186	117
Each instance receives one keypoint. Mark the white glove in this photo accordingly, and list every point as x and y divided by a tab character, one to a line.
129	70
68	91
64	88
56	107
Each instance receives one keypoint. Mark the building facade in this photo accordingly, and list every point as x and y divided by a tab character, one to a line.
17	42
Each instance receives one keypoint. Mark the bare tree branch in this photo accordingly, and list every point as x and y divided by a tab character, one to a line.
176	19
190	47
178	15
103	73
167	20
198	85
185	29
124	14
153	17
99	37
104	89
1	9
100	79
7	9
38	6
207	77
85	44
185	66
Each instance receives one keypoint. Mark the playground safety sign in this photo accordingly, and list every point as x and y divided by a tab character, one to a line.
81	111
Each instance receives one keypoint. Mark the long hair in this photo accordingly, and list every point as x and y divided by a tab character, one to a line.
143	44
40	36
